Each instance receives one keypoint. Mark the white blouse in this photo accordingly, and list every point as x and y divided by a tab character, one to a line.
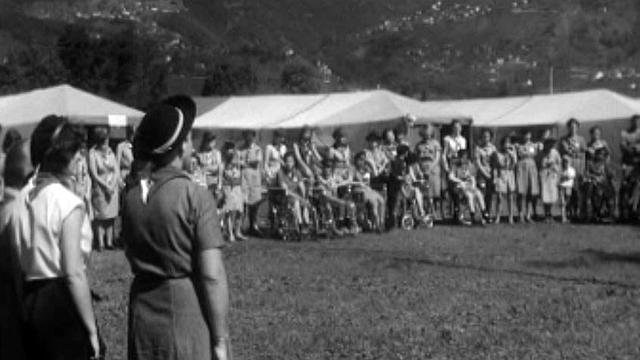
41	228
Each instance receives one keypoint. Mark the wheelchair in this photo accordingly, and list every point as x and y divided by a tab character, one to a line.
630	195
322	218
284	224
410	212
599	202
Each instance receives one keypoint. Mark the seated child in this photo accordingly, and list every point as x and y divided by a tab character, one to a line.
419	172
374	200
567	180
600	193
290	179
232	195
463	177
330	180
401	187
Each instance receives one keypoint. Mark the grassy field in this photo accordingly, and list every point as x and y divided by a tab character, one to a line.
508	292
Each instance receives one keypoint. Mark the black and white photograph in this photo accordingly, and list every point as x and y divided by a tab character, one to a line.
319	179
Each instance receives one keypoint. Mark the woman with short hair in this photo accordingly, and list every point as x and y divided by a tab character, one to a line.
54	245
527	177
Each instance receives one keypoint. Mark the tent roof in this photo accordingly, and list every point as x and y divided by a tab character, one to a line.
537	110
323	110
253	112
585	106
65	100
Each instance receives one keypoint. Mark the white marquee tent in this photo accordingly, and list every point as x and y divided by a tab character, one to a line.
28	108
356	112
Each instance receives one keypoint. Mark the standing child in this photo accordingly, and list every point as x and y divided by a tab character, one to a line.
463	177
550	167
504	177
567	180
232	194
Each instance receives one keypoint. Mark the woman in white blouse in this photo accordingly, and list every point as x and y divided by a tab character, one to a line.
53	244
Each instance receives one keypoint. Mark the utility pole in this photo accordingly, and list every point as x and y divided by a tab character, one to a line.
551	80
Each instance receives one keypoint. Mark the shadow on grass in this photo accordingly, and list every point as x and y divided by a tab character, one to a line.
523	273
398	259
588	258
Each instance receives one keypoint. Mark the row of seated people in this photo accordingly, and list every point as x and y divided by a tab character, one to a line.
336	201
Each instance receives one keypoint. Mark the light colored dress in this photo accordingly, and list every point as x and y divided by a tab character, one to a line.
251	159
550	171
527	179
232	187
210	165
429	154
124	156
105	206
273	158
575	148
504	174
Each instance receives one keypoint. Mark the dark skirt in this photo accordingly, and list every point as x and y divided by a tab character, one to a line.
53	328
166	321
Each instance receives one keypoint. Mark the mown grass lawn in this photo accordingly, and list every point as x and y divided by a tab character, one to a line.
507	292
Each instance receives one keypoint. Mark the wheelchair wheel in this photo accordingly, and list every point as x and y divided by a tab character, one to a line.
407	222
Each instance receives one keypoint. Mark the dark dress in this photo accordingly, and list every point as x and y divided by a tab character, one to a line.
163	232
11	325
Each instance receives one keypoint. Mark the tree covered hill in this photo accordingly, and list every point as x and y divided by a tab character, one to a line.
422	48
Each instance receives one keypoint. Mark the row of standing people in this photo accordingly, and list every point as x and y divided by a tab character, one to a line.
524	171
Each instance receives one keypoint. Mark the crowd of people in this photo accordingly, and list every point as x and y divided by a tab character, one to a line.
491	183
55	189
62	199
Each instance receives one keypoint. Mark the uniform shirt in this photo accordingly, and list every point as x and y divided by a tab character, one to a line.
46	206
167	220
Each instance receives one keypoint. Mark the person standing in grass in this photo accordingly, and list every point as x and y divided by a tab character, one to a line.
16	172
54	244
504	177
527	178
453	144
210	162
104	169
550	169
429	156
483	154
574	146
630	147
232	197
251	157
567	180
179	299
